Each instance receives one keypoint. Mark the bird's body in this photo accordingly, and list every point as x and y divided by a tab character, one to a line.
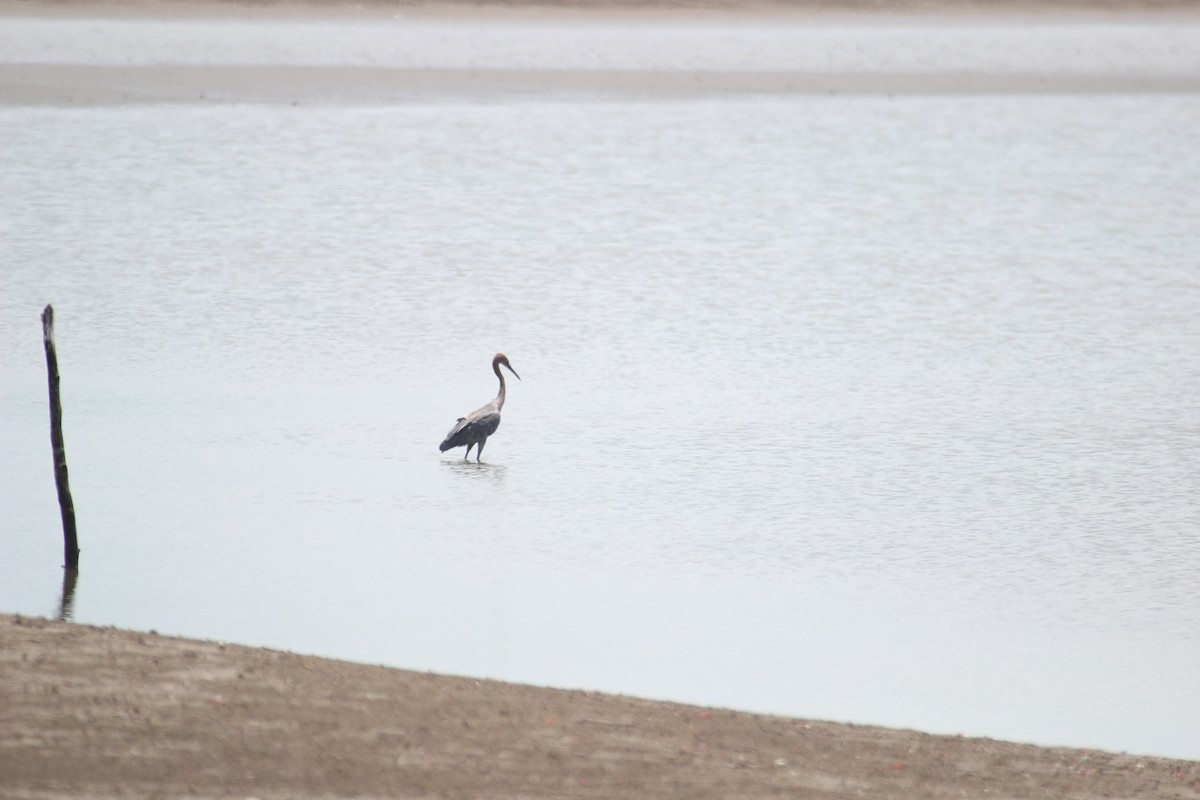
474	429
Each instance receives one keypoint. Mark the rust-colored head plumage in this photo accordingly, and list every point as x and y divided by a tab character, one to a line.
499	359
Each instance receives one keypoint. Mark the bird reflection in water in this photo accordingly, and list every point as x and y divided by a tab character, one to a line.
493	473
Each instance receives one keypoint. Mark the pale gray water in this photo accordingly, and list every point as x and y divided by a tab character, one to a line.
867	409
1116	44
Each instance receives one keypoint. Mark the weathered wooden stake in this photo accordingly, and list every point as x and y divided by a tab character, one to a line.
65	504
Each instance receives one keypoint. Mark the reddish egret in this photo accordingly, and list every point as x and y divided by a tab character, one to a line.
476	427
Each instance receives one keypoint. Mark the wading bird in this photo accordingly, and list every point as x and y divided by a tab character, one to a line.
476	427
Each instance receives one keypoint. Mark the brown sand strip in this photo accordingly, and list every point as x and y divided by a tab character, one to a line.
98	713
59	84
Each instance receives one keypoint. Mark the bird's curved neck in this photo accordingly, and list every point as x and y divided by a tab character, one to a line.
500	375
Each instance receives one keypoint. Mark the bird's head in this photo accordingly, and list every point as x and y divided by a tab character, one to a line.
503	359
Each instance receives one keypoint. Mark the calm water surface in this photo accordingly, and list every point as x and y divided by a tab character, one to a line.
1116	44
869	409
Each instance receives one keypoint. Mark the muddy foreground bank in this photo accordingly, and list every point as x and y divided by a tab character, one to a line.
100	712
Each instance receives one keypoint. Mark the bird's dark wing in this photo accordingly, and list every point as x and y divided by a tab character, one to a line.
455	433
471	429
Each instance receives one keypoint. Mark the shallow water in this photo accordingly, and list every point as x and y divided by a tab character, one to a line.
868	409
1118	44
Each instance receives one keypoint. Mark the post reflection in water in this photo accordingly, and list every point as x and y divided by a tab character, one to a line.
66	601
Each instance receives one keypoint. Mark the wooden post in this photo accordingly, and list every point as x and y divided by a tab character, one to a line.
65	504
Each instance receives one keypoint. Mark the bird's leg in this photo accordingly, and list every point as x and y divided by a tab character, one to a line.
467	454
479	449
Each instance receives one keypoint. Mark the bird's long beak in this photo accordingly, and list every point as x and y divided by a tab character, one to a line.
513	371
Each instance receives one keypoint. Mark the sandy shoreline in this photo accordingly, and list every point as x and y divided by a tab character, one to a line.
100	712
